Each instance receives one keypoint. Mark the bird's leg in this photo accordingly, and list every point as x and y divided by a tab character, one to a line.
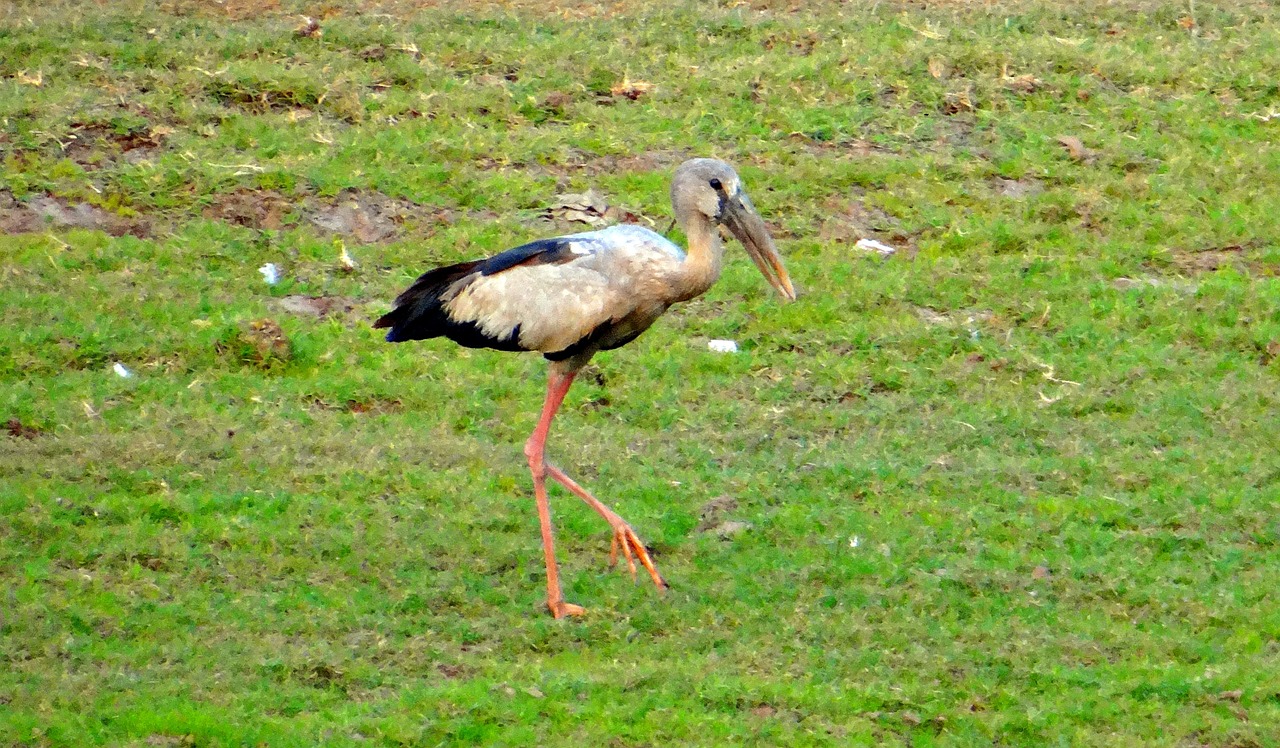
623	535
535	449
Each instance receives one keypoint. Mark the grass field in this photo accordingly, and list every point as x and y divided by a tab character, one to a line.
1017	484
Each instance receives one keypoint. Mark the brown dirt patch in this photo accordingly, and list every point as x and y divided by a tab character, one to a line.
1196	262
853	218
366	217
19	430
362	215
439	216
315	306
844	147
256	209
261	343
42	211
453	672
1207	260
94	145
1077	150
84	150
357	405
714	518
959	101
15	217
269	340
1269	352
1018	188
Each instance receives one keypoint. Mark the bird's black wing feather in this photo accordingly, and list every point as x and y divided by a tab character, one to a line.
419	311
541	252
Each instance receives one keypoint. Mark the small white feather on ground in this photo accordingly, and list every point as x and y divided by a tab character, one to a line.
871	245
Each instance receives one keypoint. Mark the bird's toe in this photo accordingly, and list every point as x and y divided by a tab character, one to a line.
560	609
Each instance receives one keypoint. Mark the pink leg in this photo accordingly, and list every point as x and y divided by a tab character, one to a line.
623	535
535	450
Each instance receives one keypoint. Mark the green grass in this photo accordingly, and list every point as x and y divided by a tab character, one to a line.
1017	485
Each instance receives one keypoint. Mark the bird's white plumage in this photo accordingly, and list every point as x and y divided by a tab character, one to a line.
623	236
618	274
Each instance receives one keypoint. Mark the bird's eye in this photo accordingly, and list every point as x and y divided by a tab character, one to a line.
715	184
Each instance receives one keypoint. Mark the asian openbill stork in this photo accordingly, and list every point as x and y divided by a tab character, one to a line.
571	296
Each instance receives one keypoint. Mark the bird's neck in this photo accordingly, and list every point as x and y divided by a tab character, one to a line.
702	262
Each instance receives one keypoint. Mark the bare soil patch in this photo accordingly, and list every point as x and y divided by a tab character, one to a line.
94	145
1018	189
19	430
356	405
256	209
261	343
42	211
362	215
367	217
853	218
1197	262
828	148
315	306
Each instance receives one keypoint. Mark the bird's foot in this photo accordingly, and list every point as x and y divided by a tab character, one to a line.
626	539
623	536
560	609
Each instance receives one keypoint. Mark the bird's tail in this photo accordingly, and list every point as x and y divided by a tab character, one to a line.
418	313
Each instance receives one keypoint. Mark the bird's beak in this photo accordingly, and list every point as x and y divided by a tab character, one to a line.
748	227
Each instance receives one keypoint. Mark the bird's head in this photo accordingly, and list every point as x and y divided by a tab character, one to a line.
712	189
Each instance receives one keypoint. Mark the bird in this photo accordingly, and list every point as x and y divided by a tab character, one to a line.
569	297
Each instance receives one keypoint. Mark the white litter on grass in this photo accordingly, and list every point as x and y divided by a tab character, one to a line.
270	273
121	371
723	346
871	245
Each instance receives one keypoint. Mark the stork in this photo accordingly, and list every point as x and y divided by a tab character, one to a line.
571	296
